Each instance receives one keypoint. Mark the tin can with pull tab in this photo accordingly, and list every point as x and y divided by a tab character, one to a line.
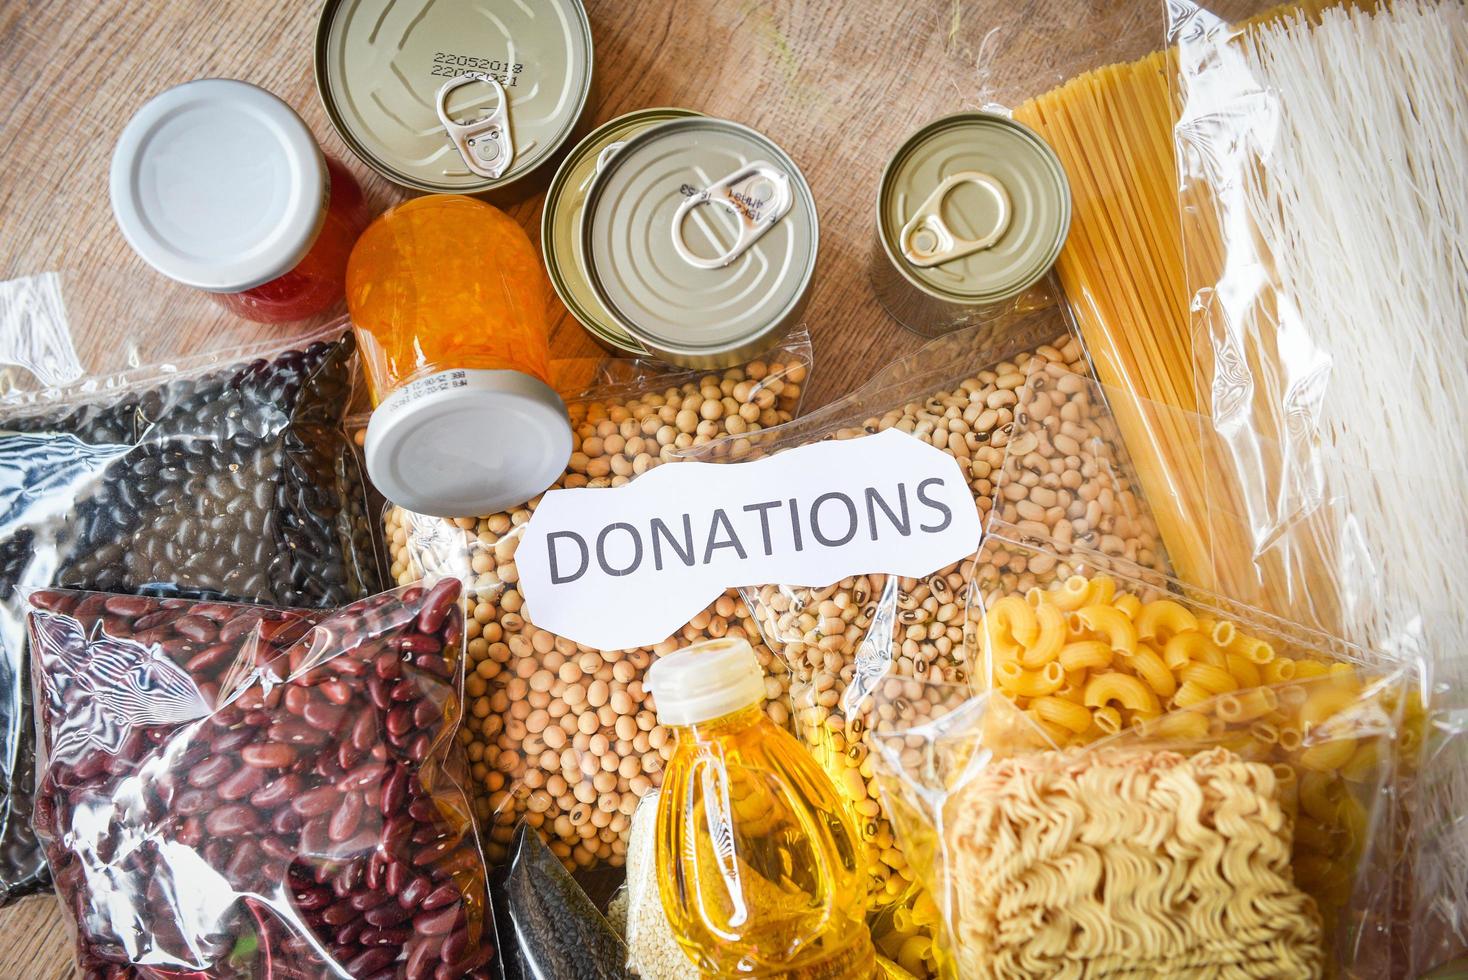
455	98
972	212
560	221
699	238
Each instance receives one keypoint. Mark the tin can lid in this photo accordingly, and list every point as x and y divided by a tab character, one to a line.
219	185
699	237
973	207
560	222
462	443
381	65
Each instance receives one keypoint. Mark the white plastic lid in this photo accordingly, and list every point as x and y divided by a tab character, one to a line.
706	680
219	185
463	443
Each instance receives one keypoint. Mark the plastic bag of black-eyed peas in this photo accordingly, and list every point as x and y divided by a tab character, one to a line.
1258	769
224	477
560	735
968	394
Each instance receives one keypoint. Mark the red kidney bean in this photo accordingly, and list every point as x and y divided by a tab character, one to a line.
196	628
369	774
364	732
241	784
336	692
211	658
231	820
387	914
211	771
425	712
276	792
268	755
323	715
346	818
422	961
436	605
456	947
404	690
287	821
296	699
127	605
388	666
371	960
290	731
441	896
399	721
413	893
318	801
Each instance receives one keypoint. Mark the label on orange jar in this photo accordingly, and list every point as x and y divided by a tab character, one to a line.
627	567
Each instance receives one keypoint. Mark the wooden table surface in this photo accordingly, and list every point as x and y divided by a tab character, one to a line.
838	83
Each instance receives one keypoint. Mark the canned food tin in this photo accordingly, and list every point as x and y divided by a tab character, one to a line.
971	212
455	98
560	222
699	236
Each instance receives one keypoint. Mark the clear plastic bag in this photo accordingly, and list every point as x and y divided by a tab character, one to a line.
550	929
228	481
557	734
972	393
1324	339
1100	652
231	791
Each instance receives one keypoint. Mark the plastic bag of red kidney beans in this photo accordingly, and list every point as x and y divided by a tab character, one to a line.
223	480
228	791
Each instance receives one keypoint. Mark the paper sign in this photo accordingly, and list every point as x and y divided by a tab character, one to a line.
626	567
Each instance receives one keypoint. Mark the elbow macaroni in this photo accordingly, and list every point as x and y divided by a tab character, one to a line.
1088	660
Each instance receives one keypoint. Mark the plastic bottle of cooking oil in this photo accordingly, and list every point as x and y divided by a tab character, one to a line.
759	864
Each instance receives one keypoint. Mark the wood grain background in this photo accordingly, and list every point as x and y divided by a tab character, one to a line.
838	83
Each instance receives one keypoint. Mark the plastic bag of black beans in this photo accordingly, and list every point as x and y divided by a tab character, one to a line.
230	791
230	482
549	927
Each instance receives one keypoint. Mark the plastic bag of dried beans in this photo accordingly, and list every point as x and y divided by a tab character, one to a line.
968	393
560	735
225	478
231	791
1097	672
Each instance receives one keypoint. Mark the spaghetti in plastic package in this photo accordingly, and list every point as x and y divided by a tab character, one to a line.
240	791
1102	653
967	393
1296	328
224	479
560	735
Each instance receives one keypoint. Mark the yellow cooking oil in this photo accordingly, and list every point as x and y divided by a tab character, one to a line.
759	863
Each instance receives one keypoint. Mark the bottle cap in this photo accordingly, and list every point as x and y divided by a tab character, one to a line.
218	185
705	681
462	443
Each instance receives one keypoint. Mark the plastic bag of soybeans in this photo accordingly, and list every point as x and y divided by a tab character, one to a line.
561	735
982	398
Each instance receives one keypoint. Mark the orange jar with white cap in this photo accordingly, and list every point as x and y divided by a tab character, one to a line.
449	302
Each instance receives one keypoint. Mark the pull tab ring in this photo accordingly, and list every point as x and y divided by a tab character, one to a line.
605	156
927	240
485	144
755	215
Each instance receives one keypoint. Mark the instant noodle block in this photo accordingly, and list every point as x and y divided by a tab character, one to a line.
563	736
1097	654
230	791
1126	863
